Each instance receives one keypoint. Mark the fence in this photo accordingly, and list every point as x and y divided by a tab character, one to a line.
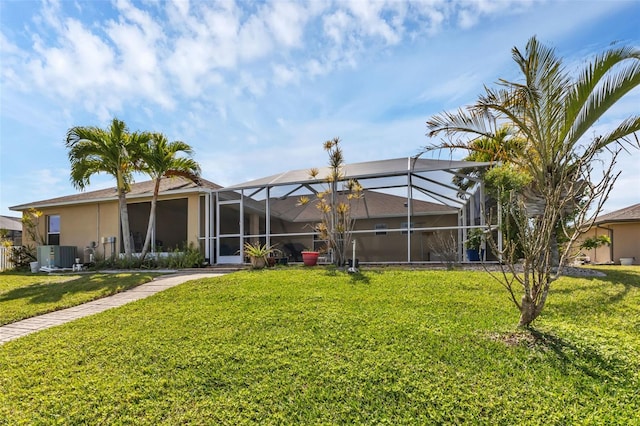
5	258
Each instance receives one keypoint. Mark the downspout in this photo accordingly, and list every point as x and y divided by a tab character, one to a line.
610	245
98	227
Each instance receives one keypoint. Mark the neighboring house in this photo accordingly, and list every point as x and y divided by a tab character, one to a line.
92	219
409	205
13	228
623	228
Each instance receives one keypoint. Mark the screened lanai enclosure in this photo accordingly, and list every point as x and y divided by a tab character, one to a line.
410	212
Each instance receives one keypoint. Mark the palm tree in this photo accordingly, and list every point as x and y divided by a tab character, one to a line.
500	148
552	112
114	151
159	160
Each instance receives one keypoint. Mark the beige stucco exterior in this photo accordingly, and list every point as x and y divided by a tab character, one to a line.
81	224
625	243
388	244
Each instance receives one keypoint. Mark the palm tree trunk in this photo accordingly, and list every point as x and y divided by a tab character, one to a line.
152	219
124	218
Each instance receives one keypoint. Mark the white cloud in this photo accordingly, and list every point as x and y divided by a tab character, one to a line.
286	20
254	40
137	37
7	47
336	25
451	89
252	81
80	62
180	6
283	75
247	84
371	21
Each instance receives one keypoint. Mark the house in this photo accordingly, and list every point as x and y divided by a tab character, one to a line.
409	206
623	228
11	228
92	219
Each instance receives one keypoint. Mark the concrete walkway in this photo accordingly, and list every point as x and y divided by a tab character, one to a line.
31	325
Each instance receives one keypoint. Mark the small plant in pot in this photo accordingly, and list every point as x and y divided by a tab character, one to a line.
474	244
258	253
310	257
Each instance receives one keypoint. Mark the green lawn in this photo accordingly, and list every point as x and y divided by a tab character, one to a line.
25	295
298	346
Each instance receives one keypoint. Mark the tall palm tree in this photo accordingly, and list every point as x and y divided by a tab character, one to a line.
160	159
113	151
552	111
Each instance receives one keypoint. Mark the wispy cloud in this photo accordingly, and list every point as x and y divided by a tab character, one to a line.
257	87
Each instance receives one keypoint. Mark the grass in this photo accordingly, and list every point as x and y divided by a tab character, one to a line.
25	295
311	346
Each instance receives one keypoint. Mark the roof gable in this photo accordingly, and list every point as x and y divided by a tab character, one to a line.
372	205
10	223
627	214
142	189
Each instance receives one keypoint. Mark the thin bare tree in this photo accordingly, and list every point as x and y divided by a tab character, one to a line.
552	110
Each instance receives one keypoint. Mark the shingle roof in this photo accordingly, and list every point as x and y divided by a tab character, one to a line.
10	223
372	205
628	214
141	189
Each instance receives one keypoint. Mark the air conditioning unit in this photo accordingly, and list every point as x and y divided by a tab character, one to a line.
57	256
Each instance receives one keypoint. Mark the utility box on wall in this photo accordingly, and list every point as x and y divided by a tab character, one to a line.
57	256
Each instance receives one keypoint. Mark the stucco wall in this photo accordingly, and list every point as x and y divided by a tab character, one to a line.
625	239
381	246
81	224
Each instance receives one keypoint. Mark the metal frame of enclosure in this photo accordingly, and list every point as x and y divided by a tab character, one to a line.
409	207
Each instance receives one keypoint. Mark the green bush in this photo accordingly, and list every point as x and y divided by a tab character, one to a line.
188	256
22	256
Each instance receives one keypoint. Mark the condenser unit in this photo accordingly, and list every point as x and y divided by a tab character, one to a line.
57	256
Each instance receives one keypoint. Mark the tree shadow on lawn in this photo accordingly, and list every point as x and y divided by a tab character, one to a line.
583	358
567	356
627	279
49	292
355	277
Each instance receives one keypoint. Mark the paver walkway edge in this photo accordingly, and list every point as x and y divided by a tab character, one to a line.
31	325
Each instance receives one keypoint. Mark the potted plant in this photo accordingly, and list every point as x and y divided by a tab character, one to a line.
474	244
258	253
310	257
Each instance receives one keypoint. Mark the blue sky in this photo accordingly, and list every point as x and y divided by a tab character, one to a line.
256	87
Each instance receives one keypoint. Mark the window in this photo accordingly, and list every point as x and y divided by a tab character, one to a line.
403	225
53	230
379	228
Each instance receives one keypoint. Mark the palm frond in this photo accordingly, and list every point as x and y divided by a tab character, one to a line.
630	126
462	121
585	109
